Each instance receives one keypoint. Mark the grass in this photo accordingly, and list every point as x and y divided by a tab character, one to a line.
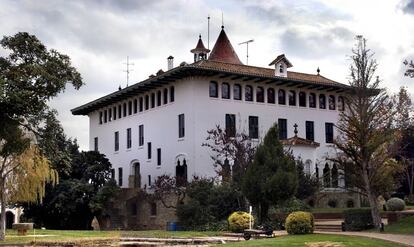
71	235
316	240
403	226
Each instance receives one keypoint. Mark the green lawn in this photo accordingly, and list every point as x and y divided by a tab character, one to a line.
65	236
316	240
404	226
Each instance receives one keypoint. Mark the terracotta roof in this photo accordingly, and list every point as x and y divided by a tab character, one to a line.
200	47
223	50
279	58
297	141
265	72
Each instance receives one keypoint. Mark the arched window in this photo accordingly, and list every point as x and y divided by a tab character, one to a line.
225	90
334	176
312	100
146	102
326	176
152	100
270	95
307	167
158	98
141	104
165	96
135	106
137	175
172	94
302	99
332	102
259	94
248	95
181	173
322	101
237	92
292	97
213	89
341	103
281	95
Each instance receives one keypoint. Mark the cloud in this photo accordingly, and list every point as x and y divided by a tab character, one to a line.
409	7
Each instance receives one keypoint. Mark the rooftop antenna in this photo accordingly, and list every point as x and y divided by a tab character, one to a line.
222	20
128	70
208	32
247	46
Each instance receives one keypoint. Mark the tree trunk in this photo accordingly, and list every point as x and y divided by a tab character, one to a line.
3	215
373	203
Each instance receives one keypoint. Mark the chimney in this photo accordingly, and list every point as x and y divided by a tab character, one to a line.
170	62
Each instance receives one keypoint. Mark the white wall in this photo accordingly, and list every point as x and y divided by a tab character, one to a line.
201	114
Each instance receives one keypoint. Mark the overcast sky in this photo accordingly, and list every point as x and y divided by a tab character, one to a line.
99	35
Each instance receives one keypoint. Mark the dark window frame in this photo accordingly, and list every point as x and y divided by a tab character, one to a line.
302	99
223	90
331	102
116	140
230	123
329	132
237	95
129	107
271	96
159	157
124	110
100	117
120	176
96	144
141	104
260	94
152	100
105	116
129	138
310	130
312	100
322	101
114	110
172	94
149	150
292	97
213	89
165	96
281	97
254	127
141	135
248	93
159	98
147	102
181	125
120	111
282	126
135	106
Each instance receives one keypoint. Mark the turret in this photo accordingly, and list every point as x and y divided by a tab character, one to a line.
200	52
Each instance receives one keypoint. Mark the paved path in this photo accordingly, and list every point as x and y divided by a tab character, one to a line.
407	240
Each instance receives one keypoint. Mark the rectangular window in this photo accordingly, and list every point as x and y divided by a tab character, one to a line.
253	127
113	173
116	141
100	117
141	104
158	98
172	93
109	114
159	156
149	180
231	125
149	150
181	126
165	96
135	106
120	176
105	116
95	144
114	110
329	132
119	111
125	109
310	133
282	125
152	100
129	140
213	91
146	102
141	135
129	107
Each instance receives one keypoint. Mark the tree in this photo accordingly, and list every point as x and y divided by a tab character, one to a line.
272	177
308	185
365	141
78	198
30	75
410	70
227	148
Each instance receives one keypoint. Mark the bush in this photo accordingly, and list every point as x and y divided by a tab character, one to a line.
395	204
358	219
299	223
238	221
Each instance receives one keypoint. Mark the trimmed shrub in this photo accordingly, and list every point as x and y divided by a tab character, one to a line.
238	221
299	223
395	204
358	219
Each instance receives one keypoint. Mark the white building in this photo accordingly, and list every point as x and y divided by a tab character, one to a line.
157	126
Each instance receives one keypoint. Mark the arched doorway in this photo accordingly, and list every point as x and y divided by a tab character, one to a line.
9	220
326	176
137	175
181	172
334	176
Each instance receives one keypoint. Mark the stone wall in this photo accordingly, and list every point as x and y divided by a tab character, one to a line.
337	199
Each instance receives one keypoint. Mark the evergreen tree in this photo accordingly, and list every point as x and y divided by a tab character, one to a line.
272	176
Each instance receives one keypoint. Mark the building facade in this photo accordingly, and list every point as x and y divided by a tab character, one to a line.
158	126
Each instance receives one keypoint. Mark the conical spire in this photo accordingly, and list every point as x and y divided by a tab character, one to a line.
223	50
200	52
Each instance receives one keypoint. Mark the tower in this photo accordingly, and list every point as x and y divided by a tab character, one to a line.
200	52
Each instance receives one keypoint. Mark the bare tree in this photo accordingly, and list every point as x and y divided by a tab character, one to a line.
366	136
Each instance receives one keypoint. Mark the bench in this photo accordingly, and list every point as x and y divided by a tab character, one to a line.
22	228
